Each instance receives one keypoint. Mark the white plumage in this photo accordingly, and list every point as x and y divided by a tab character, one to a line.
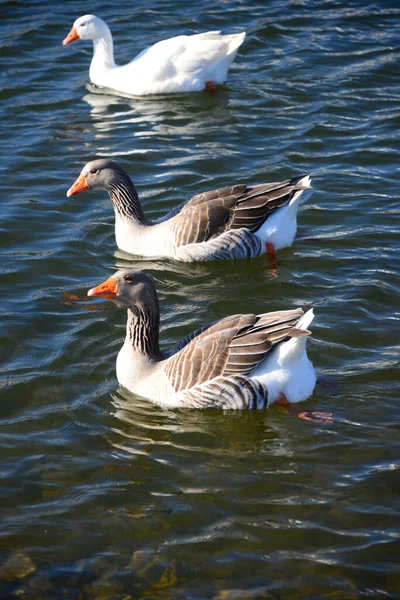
288	370
281	227
185	63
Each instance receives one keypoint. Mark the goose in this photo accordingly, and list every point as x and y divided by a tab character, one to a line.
243	361
233	222
186	63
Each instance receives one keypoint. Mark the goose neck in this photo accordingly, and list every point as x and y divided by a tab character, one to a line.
142	330
125	200
103	50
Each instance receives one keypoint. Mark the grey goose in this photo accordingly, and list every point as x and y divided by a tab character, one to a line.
243	361
239	221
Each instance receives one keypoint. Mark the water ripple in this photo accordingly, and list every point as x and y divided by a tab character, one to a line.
106	495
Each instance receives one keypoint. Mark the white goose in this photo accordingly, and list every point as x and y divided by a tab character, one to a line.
186	63
233	222
242	361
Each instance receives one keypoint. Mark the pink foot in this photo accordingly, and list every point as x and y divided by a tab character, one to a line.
314	415
272	259
307	415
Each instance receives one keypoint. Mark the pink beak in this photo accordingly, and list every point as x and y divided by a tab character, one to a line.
107	289
79	185
71	37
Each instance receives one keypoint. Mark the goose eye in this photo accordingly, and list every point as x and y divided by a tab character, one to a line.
93	171
128	278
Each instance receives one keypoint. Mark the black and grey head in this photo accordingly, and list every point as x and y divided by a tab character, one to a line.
128	289
104	174
135	288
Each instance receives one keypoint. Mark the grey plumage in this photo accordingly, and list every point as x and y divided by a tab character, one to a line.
208	215
218	224
233	346
213	366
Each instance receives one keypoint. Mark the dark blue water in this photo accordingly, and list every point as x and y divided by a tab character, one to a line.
106	496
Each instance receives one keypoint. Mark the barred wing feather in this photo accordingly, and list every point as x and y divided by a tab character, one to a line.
208	215
233	346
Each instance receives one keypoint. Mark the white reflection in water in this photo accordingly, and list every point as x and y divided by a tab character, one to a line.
184	116
214	432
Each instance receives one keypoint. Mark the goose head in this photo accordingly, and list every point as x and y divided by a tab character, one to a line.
128	289
102	174
88	27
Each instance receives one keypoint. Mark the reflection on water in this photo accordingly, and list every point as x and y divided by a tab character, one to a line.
182	116
146	427
105	495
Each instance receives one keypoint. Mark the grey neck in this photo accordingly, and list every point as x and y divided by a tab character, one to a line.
125	199
142	330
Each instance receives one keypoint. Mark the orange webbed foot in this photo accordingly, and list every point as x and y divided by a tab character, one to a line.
314	415
307	415
272	259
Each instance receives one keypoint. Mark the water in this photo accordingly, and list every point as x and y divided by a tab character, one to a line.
105	496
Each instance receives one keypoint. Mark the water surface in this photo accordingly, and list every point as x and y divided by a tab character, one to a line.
106	496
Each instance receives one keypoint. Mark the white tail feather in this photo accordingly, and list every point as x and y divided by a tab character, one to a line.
287	370
280	228
235	41
305	320
305	182
291	350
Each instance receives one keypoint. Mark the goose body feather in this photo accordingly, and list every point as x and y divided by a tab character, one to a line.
226	367
243	361
227	223
184	63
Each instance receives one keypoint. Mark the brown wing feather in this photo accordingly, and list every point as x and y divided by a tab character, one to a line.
233	346
210	214
253	208
199	223
234	190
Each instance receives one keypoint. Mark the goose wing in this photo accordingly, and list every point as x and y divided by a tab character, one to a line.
233	346
186	55
210	214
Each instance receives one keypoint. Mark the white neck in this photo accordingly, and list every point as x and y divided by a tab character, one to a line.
143	239
129	233
103	52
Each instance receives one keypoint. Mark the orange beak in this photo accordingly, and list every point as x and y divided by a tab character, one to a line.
108	289
71	37
80	185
